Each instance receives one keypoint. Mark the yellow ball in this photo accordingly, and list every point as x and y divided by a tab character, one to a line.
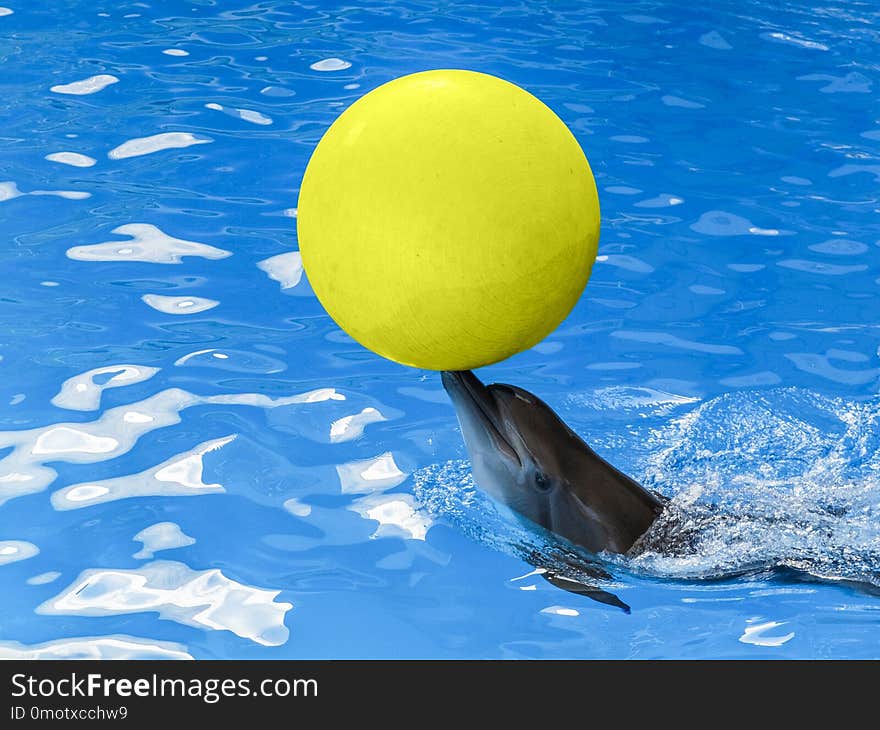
447	220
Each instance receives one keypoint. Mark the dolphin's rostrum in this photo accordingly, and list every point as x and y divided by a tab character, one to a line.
526	457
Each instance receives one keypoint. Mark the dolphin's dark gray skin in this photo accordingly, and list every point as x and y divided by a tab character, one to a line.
526	457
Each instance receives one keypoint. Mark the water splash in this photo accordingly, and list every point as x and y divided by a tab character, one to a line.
787	479
781	481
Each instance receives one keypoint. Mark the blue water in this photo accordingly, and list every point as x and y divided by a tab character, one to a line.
725	351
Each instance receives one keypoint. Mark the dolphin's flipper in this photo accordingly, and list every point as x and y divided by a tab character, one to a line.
582	589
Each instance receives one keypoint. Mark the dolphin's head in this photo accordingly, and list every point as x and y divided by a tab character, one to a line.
526	457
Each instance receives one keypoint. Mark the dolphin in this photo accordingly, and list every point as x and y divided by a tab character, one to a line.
525	456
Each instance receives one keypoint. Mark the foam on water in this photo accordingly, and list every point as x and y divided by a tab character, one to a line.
785	479
788	479
205	599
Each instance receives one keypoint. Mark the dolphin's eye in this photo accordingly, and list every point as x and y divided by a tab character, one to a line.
542	482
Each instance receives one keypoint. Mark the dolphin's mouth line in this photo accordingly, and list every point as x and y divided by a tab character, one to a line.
481	400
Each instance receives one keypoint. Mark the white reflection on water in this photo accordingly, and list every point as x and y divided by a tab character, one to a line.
851	83
396	514
821	365
713	39
11	551
161	536
349	428
560	611
756	633
179	476
794	41
24	470
297	508
156	143
91	85
95	647
820	267
69	194
330	64
664	338
205	599
247	115
10	190
178	305
74	159
82	393
677	101
148	244
369	475
43	578
722	223
285	268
